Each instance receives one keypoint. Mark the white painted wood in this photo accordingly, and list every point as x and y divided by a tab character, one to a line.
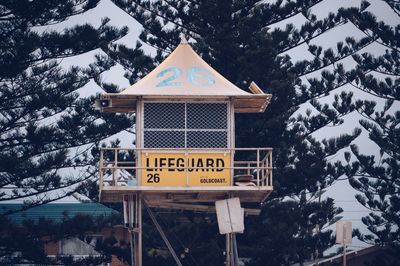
343	232
230	216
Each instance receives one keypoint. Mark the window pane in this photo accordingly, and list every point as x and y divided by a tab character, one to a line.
164	139
207	116
207	139
164	115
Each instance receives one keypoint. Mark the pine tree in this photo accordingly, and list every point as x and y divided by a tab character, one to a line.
47	130
49	135
377	176
376	74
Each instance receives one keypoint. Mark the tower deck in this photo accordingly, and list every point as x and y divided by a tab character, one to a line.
168	176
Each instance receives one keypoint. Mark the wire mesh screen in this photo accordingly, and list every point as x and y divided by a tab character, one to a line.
207	116
207	139
164	115
164	139
205	126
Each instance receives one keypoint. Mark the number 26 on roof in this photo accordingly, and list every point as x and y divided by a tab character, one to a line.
198	76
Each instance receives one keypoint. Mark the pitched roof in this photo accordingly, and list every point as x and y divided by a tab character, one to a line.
184	74
351	257
55	211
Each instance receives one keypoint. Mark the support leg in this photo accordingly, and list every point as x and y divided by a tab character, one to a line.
138	233
163	236
235	254
133	245
228	250
134	224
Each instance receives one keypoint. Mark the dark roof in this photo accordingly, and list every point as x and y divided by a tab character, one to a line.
350	255
55	211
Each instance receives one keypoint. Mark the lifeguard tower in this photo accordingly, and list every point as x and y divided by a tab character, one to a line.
185	155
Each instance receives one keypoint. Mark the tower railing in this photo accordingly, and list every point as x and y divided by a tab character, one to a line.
248	167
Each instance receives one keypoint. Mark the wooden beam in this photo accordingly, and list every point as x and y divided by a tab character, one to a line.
255	89
195	207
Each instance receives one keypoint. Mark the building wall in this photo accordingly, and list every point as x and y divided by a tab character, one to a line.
51	248
69	246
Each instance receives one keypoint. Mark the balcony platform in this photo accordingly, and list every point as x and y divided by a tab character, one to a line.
247	194
245	173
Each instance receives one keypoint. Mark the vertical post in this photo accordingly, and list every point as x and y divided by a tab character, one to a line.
138	164
270	170
101	168
264	176
136	231
139	233
114	170
139	139
228	250
344	246
344	255
133	246
186	149
258	167
233	167
231	133
187	166
235	254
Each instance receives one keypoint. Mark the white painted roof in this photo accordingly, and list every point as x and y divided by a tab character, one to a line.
184	73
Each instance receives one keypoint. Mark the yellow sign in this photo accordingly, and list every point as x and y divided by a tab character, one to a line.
193	169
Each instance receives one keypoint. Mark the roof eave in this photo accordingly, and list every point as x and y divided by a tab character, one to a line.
123	103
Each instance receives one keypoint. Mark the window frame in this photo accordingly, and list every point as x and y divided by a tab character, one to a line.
228	128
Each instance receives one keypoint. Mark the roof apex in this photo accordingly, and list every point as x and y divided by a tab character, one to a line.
183	39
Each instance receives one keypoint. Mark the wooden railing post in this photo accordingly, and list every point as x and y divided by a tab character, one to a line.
138	171
187	167
258	167
270	170
101	168
114	170
264	172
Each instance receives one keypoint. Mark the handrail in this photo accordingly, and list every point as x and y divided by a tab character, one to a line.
189	149
116	170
